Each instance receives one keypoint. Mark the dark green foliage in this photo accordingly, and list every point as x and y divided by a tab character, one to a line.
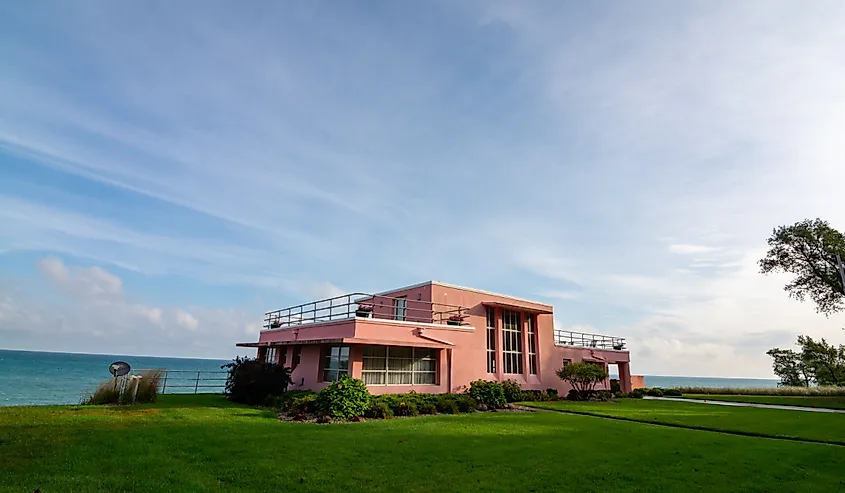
808	249
379	410
654	392
447	404
344	398
466	404
672	393
637	393
603	395
406	408
427	408
614	385
252	381
620	395
583	377
553	394
512	391
283	402
304	404
818	362
487	392
573	395
537	396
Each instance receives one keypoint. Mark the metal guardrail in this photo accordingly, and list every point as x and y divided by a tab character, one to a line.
365	306
581	339
191	381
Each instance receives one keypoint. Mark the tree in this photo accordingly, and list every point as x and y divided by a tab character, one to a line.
253	381
788	365
583	377
808	249
818	362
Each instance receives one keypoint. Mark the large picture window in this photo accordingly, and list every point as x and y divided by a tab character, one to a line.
532	344
491	339
390	365
335	363
511	342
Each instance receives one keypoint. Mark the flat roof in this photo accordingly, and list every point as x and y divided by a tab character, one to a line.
464	288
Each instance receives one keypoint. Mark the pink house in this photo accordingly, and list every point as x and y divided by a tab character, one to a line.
430	337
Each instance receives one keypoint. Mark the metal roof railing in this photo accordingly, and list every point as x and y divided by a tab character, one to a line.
365	306
581	339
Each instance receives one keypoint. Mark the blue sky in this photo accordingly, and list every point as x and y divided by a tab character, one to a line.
170	171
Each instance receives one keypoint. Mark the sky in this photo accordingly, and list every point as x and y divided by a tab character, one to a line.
170	171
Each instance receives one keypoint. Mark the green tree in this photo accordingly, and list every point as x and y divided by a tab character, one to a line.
808	249
818	362
583	377
826	361
790	367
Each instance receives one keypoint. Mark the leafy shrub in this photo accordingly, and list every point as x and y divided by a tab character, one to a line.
654	392
603	395
428	408
304	404
107	392
487	392
614	385
537	396
379	410
672	393
447	404
466	404
283	402
344	398
406	408
620	395
637	393
251	381
573	395
512	391
553	394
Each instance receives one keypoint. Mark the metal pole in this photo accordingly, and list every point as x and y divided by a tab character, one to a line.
198	383
164	386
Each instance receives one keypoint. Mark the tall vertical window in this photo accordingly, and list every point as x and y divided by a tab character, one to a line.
400	308
391	365
491	339
511	342
297	357
270	355
532	344
335	363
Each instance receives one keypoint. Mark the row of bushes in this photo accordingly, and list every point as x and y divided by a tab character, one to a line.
651	392
821	391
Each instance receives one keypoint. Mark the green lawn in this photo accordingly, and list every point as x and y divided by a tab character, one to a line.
781	400
205	444
803	425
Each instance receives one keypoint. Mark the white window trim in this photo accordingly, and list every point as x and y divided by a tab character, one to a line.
270	355
337	372
491	350
387	371
509	333
531	323
400	308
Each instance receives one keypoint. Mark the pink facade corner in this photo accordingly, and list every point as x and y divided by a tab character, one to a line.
432	338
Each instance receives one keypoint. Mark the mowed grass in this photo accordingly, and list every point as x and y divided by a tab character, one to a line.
780	400
207	444
796	425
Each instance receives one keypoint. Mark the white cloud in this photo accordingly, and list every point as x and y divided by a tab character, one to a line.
690	249
186	320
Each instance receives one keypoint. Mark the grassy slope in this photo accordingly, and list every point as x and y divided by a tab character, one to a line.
825	402
804	425
208	445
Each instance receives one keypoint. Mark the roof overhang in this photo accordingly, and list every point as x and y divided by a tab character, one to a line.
430	343
540	310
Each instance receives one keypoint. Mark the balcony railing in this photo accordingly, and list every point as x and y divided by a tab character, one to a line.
580	339
364	306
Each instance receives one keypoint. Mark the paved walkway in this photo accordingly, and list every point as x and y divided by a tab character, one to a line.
749	404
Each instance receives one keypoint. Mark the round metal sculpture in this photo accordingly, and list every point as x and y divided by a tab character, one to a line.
119	368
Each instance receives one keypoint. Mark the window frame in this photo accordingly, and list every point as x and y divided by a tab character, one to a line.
270	355
512	349
403	308
531	329
330	357
491	339
385	369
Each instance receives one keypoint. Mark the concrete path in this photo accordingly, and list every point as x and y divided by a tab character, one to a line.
749	404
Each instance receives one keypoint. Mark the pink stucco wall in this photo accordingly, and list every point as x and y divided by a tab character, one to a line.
462	350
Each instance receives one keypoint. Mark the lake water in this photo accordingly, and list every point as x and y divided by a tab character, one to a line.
28	377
